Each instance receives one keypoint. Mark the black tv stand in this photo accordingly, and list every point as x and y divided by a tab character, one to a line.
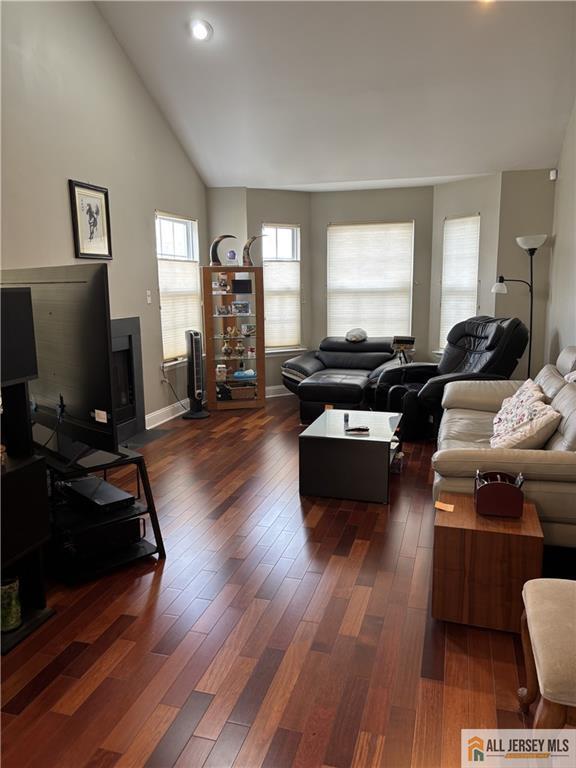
77	521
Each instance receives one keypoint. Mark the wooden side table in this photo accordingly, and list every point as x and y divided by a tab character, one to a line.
480	564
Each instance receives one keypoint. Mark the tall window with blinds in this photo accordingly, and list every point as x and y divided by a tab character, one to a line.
179	281
369	280
460	253
282	305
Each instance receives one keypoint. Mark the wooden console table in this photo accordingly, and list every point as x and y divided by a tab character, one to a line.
480	564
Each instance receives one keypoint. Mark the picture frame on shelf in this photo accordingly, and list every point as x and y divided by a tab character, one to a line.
248	329
90	220
240	307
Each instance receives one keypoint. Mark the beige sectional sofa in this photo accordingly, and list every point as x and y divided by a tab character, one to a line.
550	473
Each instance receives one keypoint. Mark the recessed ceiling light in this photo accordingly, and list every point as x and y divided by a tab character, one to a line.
201	30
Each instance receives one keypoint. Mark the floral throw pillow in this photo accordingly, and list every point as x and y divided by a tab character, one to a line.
528	425
529	392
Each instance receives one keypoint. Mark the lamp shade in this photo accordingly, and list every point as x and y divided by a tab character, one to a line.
500	286
529	242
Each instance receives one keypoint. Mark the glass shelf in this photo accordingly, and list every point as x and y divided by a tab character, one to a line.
228	317
234	357
232	380
216	294
234	338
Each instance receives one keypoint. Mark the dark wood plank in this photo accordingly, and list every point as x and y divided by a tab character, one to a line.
180	731
42	680
256	688
282	750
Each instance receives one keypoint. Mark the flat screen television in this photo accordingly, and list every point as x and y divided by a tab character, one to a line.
72	396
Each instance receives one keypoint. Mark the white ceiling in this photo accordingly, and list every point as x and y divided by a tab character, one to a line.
337	95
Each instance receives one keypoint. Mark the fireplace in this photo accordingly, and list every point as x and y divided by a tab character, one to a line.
127	381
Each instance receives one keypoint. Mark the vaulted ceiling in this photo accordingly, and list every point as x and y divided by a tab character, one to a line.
334	95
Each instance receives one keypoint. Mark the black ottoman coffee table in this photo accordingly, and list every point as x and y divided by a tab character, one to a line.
342	466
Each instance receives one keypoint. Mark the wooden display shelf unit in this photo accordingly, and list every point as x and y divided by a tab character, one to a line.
250	392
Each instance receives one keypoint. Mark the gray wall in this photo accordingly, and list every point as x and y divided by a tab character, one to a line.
368	206
561	320
466	198
74	108
526	208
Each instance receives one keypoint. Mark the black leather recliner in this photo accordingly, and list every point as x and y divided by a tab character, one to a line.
478	348
339	373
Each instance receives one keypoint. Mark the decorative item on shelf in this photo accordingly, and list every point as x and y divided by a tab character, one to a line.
223	281
241	365
243	392
232	332
239	349
214	258
223	392
246	257
530	244
11	611
498	494
241	284
223	310
221	372
240	307
227	349
231	258
249	373
90	220
248	329
251	352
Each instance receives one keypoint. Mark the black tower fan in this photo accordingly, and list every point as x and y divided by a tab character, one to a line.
195	372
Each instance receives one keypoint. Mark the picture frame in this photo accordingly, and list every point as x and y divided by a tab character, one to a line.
90	220
240	307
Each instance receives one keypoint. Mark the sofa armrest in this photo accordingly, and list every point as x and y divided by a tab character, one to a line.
302	366
405	374
479	395
431	393
556	466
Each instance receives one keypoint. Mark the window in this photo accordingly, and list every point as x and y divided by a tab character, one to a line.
460	253
370	278
281	260
179	280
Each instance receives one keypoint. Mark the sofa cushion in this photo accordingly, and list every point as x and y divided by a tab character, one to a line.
551	381
334	386
551	616
528	425
564	439
464	428
566	362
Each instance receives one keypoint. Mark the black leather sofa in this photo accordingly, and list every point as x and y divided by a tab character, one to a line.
480	348
339	373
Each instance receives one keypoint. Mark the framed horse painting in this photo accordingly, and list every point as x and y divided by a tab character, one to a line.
90	221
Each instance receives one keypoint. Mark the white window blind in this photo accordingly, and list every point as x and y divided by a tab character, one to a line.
281	260
369	281
179	281
460	253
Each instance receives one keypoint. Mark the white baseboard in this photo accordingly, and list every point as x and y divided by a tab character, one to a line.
156	418
277	390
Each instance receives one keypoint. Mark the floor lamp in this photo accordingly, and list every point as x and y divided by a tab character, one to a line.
530	244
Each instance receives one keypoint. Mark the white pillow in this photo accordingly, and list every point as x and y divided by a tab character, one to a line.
356	334
528	425
529	392
571	377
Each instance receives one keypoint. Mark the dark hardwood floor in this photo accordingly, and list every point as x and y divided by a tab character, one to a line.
279	631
